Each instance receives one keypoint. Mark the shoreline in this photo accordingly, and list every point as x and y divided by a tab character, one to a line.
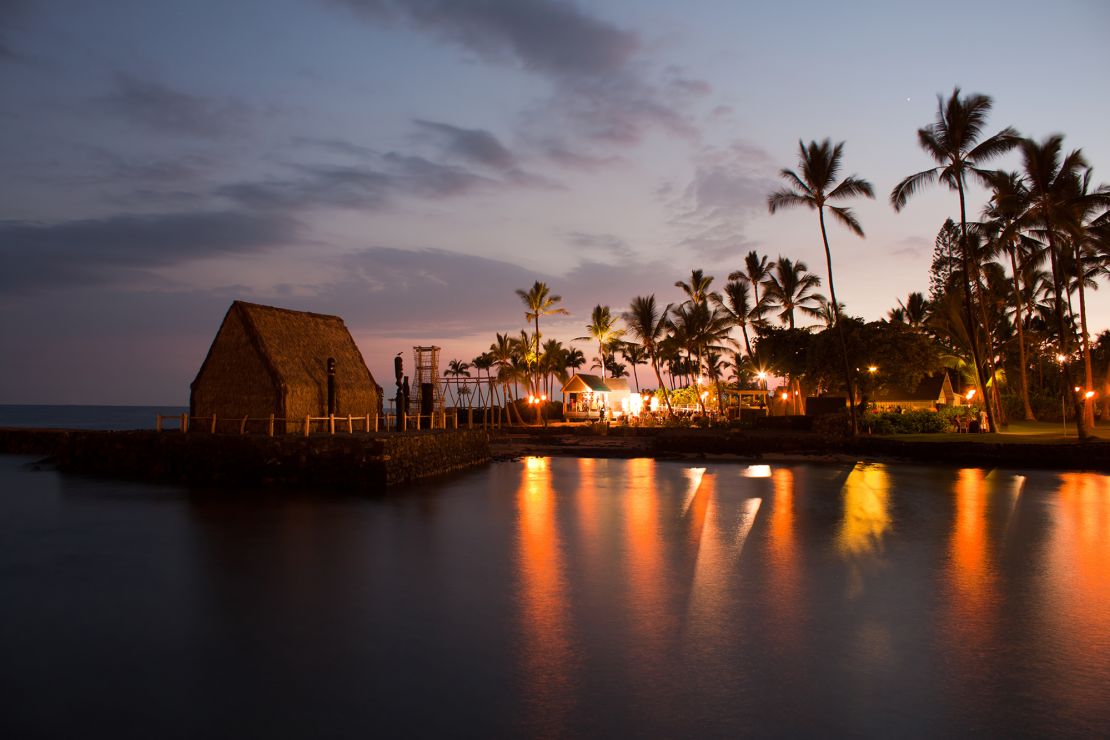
378	461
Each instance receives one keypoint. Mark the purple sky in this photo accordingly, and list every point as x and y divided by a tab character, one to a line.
407	164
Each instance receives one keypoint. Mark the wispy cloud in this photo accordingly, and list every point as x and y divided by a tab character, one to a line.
729	185
97	251
160	108
602	91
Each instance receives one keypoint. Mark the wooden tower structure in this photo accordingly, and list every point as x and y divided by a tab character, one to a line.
426	392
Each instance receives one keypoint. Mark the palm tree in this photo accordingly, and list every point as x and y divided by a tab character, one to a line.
756	271
698	327
484	361
635	355
539	302
1009	199
697	290
737	305
815	188
604	330
951	141
1057	200
649	326
457	369
790	286
507	360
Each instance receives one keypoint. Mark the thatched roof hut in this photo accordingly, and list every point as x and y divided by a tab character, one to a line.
266	360
932	392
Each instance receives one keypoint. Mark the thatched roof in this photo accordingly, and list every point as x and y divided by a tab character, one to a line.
295	345
929	389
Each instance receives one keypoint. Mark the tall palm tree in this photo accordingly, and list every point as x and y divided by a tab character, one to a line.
604	330
699	327
507	359
916	309
697	290
539	302
755	272
1008	200
648	325
737	306
1056	198
817	188
952	140
635	355
790	286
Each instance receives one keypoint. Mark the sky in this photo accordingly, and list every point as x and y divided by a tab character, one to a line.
408	164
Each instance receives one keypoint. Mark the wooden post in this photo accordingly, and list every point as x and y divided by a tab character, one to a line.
375	421
243	426
367	427
307	423
270	429
157	422
331	423
184	422
350	425
213	429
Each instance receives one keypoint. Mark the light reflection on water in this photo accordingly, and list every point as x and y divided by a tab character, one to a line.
570	597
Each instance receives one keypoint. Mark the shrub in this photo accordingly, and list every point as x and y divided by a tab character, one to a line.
909	422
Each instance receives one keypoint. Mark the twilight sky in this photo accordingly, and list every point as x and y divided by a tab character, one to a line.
407	164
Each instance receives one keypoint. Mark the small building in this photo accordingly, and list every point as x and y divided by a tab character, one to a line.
584	396
266	360
930	394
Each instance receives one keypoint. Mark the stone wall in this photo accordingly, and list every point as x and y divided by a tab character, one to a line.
360	461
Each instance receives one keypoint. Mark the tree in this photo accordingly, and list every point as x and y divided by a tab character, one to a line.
697	290
738	308
953	143
790	286
1057	198
484	362
635	355
539	302
816	188
756	271
648	325
604	330
457	369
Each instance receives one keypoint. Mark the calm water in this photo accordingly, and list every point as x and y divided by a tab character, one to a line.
609	598
84	417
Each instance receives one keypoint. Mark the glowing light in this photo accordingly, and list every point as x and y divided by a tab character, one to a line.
654	403
1077	389
757	471
543	397
785	395
762	375
970	394
871	369
1060	359
705	394
1089	394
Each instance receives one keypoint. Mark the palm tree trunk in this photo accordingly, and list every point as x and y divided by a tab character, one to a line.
839	328
662	385
972	334
1057	290
1088	403
636	376
1018	300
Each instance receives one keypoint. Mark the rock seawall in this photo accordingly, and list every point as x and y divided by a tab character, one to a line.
366	462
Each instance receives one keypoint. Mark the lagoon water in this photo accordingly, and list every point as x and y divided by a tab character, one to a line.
561	597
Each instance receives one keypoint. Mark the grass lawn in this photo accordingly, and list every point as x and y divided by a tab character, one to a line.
1019	432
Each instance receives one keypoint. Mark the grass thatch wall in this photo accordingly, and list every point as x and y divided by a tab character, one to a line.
235	381
281	355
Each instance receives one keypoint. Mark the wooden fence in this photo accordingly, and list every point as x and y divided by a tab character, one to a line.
329	424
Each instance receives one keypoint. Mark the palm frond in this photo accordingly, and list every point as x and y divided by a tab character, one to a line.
911	186
846	217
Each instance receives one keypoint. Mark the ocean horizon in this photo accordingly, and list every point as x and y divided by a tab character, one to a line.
80	416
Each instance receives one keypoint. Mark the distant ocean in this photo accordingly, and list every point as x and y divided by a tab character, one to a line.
84	417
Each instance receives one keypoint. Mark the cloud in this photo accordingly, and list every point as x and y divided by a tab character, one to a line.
160	108
472	145
553	38
912	246
610	244
729	185
601	89
95	251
